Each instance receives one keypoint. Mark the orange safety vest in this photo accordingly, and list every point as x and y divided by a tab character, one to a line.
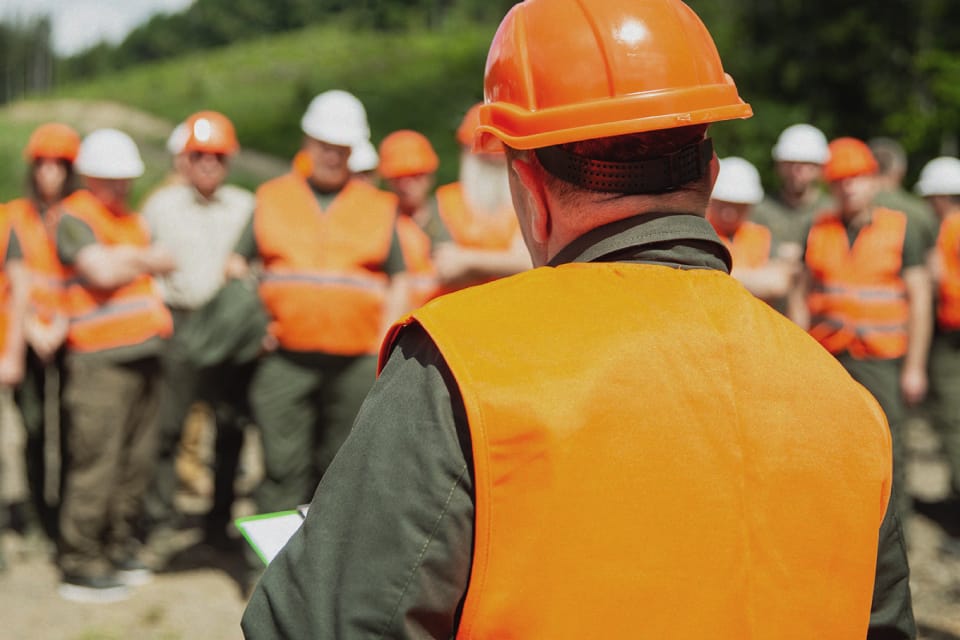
750	245
322	283
495	232
948	289
858	302
421	274
37	237
646	477
128	315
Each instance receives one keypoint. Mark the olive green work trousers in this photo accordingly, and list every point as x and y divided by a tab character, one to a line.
304	405
944	400
882	379
111	446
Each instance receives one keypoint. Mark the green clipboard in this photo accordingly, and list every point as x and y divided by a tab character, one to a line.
267	533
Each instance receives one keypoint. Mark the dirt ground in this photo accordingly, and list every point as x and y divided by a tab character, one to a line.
199	598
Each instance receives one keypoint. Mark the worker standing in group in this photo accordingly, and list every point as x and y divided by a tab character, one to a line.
939	185
331	283
219	324
799	155
477	212
891	171
597	448
755	263
408	165
51	152
866	292
117	323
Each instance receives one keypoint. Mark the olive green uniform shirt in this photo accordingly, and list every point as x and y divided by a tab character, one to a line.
788	224
385	551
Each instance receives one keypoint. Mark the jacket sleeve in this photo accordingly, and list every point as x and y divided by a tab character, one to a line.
386	548
891	615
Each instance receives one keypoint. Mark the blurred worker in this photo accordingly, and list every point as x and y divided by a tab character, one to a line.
363	162
799	156
408	165
330	259
218	324
477	212
755	264
892	168
866	293
939	184
597	448
33	267
117	323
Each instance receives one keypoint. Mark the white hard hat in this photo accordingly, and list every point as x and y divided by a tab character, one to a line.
336	117
109	153
801	143
738	181
178	139
940	177
363	157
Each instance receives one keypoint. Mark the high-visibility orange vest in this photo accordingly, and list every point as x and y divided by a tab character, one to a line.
128	315
421	274
750	245
38	242
640	473
322	284
495	232
858	302
948	289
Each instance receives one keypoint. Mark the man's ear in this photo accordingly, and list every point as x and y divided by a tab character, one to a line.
536	203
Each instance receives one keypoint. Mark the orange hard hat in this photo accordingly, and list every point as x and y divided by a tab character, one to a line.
471	120
210	132
849	157
53	140
562	70
407	153
467	130
301	164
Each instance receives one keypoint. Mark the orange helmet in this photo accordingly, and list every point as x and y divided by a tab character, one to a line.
471	120
467	130
302	165
562	71
53	140
407	153
849	157
210	132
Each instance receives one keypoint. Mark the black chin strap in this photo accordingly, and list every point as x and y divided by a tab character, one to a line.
651	175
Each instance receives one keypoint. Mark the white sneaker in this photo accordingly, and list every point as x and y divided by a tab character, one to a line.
93	589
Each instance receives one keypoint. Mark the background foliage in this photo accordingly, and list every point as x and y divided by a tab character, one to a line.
849	67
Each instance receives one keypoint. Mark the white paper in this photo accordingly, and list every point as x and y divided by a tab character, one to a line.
268	535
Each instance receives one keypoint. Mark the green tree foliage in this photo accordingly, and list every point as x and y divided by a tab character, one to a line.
849	67
26	57
214	23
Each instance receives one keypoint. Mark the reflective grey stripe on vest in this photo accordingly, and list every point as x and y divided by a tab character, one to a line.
325	279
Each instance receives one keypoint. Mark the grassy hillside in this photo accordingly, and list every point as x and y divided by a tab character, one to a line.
423	81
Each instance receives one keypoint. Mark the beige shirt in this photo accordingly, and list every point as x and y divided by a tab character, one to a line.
201	235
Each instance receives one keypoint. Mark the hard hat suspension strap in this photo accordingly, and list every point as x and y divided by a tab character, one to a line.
651	175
